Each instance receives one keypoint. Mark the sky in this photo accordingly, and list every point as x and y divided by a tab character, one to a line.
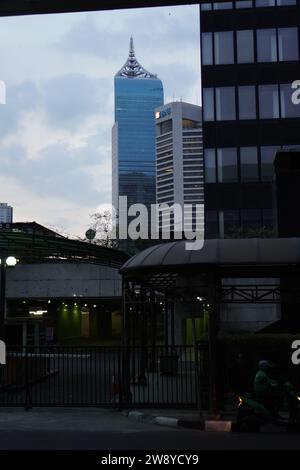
55	128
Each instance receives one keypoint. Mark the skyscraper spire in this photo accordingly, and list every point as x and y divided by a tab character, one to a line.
132	68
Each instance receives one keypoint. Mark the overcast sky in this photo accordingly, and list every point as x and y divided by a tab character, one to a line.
55	129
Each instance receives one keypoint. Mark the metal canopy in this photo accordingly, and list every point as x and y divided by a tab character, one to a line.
42	248
259	255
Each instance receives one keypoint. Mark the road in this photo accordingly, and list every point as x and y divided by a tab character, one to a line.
102	429
154	439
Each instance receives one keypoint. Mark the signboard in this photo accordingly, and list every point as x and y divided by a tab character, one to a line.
163	113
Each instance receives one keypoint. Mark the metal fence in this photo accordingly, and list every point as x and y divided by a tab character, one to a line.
104	376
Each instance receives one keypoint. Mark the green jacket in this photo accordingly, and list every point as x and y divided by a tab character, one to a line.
264	386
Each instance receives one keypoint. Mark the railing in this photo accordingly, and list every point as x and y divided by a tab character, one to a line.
103	376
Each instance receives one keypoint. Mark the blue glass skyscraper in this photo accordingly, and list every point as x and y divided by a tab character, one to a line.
137	94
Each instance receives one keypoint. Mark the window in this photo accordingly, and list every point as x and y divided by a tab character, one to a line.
208	104
265	3
225	104
247	102
286	2
224	47
207	49
268	101
249	164
268	219
227	165
206	6
211	224
288	109
228	223
288	44
210	165
267	155
223	5
245	46
266	45
243	4
251	219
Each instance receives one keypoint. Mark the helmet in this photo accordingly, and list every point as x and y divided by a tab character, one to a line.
266	366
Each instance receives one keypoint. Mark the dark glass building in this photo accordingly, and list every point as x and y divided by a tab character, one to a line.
250	58
137	94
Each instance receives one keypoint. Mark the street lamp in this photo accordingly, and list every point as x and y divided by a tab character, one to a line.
10	261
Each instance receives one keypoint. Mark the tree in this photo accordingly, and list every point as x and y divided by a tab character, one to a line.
103	223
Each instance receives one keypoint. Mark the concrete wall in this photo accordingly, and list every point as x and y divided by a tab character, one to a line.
62	280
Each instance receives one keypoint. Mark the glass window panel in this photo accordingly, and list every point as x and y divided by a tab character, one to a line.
211	224
224	48
227	165
243	4
251	220
268	219
228	223
206	6
266	45
208	104
223	5
210	165
225	104
207	49
245	46
288	44
249	164
265	3
267	155
247	102
286	2
288	108
268	102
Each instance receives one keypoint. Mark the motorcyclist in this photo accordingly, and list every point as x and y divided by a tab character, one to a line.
270	389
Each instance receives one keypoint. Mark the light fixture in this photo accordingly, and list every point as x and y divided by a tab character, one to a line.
49	301
95	305
37	313
11	261
199	298
85	305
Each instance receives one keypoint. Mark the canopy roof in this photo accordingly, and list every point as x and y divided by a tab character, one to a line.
44	248
256	254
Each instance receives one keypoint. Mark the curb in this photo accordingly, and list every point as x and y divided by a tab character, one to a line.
205	425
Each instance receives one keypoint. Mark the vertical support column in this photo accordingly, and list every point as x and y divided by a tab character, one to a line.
125	377
2	298
153	323
213	328
144	337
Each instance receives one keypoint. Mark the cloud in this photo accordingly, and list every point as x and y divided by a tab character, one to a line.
55	133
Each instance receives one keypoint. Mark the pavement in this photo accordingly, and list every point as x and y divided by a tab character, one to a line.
187	418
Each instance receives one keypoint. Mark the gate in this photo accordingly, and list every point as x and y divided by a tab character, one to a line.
103	376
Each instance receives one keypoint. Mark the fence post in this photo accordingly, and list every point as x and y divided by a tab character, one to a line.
28	402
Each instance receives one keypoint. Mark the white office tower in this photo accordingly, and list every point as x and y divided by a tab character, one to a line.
179	163
6	213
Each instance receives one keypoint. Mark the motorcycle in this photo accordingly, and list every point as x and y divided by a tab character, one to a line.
252	414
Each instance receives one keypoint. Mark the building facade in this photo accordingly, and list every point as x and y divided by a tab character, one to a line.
179	155
250	59
6	213
137	93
